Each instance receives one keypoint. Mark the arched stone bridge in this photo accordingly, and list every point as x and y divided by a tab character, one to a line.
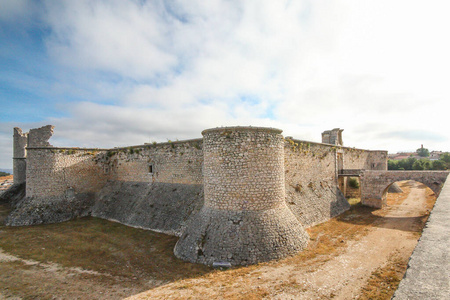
374	184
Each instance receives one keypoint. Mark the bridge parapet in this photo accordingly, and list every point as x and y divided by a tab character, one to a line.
351	172
374	183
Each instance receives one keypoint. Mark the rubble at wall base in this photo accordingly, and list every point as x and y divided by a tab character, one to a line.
36	210
241	237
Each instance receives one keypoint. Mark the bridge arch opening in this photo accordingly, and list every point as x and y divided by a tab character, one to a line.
396	192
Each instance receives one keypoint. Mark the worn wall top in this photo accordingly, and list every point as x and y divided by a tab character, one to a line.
333	137
39	137
20	143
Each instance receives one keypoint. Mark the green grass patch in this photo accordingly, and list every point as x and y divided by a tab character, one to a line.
354	201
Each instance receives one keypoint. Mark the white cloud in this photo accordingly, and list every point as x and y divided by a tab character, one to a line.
118	36
13	9
374	68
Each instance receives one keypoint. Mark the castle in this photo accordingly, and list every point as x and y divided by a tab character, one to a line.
239	195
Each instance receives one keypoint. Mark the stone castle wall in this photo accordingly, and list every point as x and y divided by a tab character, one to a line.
156	186
161	207
151	186
311	181
52	171
38	137
172	162
242	183
364	159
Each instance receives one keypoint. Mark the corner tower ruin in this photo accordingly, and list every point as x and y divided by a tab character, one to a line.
36	138
244	219
20	141
333	137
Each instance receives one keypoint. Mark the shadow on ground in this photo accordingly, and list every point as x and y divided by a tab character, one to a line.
366	216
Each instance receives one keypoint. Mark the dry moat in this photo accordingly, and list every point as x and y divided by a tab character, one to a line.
360	254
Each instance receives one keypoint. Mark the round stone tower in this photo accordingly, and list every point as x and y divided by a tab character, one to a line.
244	219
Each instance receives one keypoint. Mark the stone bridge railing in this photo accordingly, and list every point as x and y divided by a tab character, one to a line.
374	184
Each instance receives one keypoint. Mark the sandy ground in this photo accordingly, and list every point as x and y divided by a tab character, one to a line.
339	275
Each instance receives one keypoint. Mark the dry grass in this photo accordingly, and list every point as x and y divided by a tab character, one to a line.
354	201
99	245
384	281
131	258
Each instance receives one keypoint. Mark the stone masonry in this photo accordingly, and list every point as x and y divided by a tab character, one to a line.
245	218
333	137
240	194
20	154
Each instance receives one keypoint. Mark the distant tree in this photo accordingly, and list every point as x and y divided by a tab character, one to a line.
418	165
423	152
445	157
4	174
426	163
406	164
353	182
439	165
421	164
412	163
393	164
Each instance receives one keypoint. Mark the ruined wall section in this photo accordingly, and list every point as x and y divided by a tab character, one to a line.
333	137
61	185
312	192
38	137
52	171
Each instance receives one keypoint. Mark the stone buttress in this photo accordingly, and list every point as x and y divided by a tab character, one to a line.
244	219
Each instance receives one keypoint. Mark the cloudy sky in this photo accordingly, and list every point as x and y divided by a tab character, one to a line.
116	73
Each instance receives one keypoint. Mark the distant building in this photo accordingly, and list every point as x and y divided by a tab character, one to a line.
403	155
435	155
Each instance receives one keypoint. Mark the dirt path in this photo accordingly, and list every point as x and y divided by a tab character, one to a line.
339	277
345	275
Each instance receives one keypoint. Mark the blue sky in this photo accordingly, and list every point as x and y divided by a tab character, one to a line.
115	73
